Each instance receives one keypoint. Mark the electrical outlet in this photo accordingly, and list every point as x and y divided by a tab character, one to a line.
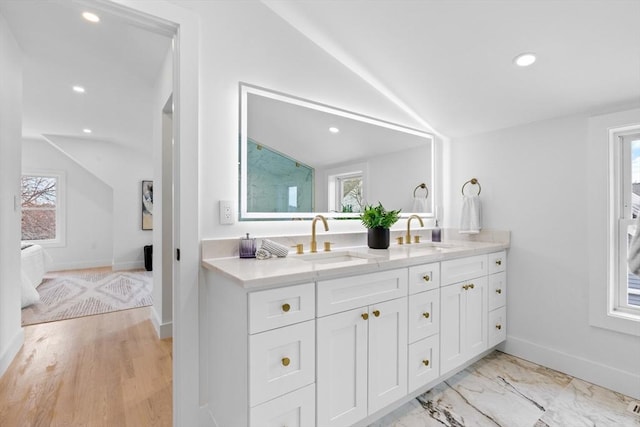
226	212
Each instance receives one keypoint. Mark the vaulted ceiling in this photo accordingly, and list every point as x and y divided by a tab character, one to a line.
115	62
447	63
450	61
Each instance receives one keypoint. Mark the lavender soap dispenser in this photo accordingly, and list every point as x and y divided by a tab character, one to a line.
247	247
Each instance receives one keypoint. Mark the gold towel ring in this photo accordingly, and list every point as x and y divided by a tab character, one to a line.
472	181
423	185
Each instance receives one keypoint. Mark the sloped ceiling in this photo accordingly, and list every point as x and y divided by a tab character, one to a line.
450	62
117	63
447	63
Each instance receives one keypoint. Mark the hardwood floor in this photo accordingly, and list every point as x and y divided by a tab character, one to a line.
103	370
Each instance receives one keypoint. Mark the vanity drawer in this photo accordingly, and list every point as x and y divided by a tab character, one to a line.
497	326
424	277
295	409
459	270
497	262
497	290
281	361
348	293
424	315
279	307
424	362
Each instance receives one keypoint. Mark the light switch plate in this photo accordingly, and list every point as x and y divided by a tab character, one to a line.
226	212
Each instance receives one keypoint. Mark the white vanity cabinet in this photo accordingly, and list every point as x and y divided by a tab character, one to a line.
362	352
337	350
463	308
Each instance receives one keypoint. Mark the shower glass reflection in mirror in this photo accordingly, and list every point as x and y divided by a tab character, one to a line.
299	158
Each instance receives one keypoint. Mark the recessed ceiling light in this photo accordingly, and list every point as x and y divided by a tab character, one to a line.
78	89
86	130
91	17
333	129
525	59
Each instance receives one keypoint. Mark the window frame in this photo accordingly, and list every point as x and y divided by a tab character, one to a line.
620	203
61	189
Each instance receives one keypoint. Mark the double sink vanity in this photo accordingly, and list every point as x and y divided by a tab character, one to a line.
341	338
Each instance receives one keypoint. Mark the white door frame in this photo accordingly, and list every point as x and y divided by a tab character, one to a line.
182	24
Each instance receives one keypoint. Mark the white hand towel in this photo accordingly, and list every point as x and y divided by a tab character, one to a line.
263	254
634	251
470	220
419	205
275	248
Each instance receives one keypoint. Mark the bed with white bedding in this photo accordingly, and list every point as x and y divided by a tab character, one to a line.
35	263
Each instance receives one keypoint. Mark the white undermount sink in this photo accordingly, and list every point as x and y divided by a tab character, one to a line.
335	257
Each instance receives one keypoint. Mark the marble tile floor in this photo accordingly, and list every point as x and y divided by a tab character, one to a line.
504	391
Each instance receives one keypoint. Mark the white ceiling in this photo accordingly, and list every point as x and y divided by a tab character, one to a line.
446	62
450	61
117	63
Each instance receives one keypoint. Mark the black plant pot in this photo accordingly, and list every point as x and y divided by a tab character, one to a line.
378	238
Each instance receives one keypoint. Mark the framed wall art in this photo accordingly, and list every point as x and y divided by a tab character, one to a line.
147	205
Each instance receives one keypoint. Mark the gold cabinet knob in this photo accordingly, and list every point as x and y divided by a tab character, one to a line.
471	285
498	262
426	278
365	316
426	314
286	307
465	287
425	362
498	291
498	326
285	361
376	313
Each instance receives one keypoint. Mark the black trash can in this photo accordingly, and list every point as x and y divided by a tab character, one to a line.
148	257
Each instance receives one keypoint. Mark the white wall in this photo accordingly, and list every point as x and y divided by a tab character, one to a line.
123	169
535	183
88	208
11	336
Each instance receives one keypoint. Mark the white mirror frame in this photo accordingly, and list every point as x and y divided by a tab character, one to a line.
246	89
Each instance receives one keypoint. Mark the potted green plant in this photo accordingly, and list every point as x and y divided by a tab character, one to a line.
378	220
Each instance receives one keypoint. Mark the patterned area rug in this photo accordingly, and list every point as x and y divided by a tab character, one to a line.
78	295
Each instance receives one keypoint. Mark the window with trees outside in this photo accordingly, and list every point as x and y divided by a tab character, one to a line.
42	213
349	192
626	290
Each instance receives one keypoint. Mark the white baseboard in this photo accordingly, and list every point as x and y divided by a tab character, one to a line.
164	330
128	265
606	376
59	266
12	349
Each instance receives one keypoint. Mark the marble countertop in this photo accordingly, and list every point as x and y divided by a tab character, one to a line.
251	273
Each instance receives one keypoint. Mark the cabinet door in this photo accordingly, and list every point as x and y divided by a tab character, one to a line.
342	368
281	361
387	353
475	318
497	290
424	315
296	409
424	362
452	306
497	326
424	277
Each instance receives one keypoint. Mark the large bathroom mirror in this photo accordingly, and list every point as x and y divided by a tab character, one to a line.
299	158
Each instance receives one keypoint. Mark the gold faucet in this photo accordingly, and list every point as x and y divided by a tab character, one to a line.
408	236
314	244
